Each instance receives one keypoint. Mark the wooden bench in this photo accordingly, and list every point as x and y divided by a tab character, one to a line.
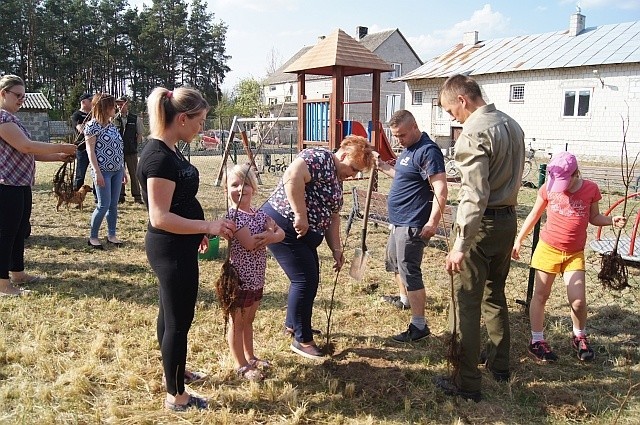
609	179
379	214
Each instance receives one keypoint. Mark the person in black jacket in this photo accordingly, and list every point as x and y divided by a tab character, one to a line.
78	120
131	128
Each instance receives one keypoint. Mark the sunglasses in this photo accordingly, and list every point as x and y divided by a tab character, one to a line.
18	96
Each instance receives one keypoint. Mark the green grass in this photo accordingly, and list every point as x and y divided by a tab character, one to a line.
82	348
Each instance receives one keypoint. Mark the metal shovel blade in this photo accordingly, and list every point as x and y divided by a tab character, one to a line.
359	264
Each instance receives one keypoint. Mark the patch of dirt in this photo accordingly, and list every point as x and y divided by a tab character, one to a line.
567	406
374	376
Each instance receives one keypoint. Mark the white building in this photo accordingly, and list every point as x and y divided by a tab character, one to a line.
569	89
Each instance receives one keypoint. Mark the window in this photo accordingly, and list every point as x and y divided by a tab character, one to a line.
576	102
393	105
416	98
272	88
273	101
397	71
326	95
516	93
287	98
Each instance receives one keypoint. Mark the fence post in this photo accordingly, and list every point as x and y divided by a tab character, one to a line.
536	236
290	148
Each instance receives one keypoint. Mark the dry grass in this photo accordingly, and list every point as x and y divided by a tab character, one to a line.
82	347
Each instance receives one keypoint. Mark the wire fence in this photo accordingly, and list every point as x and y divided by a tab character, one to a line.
273	158
520	280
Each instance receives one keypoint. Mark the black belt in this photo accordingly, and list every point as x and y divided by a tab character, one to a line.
500	211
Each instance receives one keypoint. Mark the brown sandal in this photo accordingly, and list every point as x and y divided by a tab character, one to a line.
250	373
259	363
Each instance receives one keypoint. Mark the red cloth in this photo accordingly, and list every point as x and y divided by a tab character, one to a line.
568	216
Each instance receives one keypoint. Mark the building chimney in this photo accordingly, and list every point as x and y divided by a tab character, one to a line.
361	32
576	23
470	38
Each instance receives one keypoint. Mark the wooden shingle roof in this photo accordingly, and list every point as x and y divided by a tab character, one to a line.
338	49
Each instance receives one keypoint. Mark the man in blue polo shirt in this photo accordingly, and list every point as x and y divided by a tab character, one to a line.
414	214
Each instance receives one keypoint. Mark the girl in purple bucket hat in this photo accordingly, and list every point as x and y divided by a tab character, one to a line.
571	203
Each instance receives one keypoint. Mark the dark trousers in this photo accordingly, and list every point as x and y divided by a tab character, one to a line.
174	260
15	212
82	163
299	260
131	161
479	292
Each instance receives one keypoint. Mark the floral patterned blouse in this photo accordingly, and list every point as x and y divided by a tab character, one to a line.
251	265
323	194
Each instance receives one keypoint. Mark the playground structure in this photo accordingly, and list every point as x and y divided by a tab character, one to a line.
628	247
321	121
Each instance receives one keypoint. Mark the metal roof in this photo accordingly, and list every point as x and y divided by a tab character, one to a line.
603	45
35	101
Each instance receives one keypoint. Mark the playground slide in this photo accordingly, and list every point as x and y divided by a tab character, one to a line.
385	151
357	129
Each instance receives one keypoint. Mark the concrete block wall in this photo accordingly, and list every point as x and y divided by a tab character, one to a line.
37	123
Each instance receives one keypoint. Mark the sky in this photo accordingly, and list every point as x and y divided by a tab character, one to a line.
263	31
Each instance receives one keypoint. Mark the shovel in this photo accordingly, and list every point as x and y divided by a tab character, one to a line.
359	263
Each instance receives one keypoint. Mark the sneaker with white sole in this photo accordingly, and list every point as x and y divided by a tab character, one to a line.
583	350
542	352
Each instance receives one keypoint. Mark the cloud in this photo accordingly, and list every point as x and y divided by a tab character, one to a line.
488	23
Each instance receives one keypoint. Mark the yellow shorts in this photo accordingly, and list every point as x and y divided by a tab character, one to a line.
551	260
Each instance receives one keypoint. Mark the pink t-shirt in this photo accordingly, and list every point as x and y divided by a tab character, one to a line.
568	216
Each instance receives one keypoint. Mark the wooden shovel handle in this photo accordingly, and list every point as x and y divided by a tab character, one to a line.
367	204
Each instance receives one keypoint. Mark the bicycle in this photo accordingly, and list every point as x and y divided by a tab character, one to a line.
529	161
280	165
450	168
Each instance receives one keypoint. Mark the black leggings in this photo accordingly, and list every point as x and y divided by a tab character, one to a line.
174	260
15	212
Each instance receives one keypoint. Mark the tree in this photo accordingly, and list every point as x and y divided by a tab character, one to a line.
205	61
247	97
67	47
274	61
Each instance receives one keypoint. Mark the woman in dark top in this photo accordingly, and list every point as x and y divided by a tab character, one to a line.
176	229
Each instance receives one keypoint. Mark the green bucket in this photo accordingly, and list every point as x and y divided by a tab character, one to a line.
213	251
